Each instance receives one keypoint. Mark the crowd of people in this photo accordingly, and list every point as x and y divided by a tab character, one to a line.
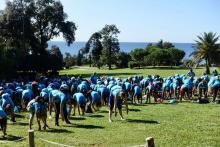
63	95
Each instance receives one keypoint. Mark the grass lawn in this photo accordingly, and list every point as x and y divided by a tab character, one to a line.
180	125
185	124
163	71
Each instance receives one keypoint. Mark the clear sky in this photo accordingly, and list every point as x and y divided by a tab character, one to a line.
144	20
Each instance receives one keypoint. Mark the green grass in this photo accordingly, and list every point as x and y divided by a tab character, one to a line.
180	125
185	124
163	71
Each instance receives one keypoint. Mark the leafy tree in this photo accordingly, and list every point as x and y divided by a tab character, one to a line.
159	57
207	48
79	57
69	60
123	60
56	58
110	44
27	27
94	48
176	55
164	45
138	54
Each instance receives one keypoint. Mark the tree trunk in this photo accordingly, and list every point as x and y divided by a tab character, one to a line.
207	67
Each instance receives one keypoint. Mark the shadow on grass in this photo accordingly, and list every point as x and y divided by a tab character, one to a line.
77	118
89	127
96	116
85	126
138	104
135	110
22	123
53	130
12	138
19	115
142	121
103	111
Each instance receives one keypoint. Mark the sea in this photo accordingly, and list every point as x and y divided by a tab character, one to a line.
124	46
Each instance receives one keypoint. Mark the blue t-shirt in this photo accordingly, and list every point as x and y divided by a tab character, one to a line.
127	86
38	107
94	79
137	90
57	96
216	83
116	92
103	89
2	113
80	98
27	94
95	96
82	88
6	99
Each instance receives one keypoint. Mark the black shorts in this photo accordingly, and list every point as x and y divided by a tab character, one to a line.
3	122
111	103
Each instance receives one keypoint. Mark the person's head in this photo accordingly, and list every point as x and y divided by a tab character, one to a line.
191	69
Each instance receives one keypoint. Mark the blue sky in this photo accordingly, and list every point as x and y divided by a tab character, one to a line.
144	20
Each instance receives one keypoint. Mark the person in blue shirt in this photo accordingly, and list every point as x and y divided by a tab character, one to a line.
215	72
3	121
150	91
215	87
95	100
59	100
94	78
80	102
176	87
128	89
191	73
104	93
185	89
167	87
38	106
27	95
116	98
82	88
137	94
8	105
203	89
17	97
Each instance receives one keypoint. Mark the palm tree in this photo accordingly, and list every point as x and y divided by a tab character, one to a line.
207	49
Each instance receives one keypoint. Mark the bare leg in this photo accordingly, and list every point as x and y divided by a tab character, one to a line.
39	126
31	120
120	112
110	116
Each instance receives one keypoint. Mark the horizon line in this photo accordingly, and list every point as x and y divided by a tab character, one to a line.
126	41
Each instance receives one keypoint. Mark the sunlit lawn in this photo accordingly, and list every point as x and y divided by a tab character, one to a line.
180	125
163	71
185	124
